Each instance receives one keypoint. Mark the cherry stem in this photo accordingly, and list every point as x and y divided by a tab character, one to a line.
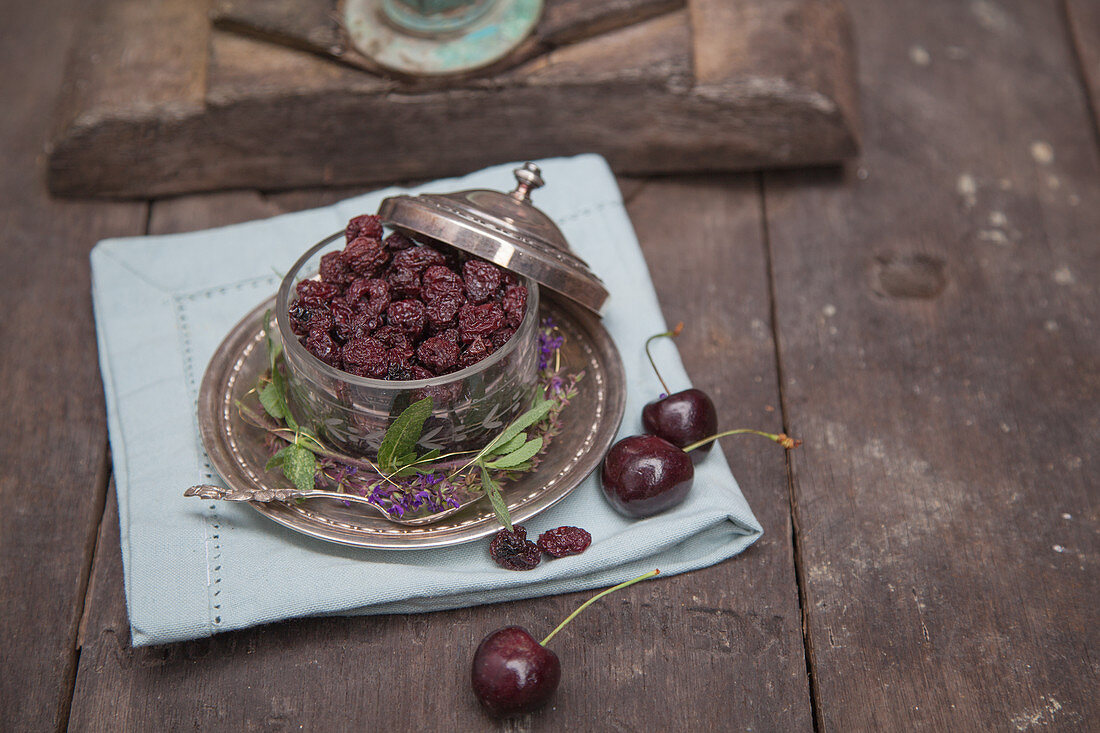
669	334
595	598
783	439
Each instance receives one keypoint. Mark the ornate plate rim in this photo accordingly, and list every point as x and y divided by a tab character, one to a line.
215	401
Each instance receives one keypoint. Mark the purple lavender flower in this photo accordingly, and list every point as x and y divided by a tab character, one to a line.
548	343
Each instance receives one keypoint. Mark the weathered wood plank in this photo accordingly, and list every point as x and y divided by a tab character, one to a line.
53	456
736	625
316	25
1084	24
134	56
278	118
937	317
567	21
311	25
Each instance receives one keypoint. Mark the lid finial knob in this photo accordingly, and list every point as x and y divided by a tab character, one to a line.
529	177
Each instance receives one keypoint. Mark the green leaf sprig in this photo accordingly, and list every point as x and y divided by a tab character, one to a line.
511	450
305	459
296	459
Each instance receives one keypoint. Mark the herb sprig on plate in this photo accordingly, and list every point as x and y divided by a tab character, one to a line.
400	482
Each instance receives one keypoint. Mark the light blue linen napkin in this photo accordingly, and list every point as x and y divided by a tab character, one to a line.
195	568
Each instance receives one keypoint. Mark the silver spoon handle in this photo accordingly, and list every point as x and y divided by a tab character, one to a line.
208	491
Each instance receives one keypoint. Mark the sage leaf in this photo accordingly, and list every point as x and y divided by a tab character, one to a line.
516	457
300	467
276	460
274	345
492	489
273	401
511	445
521	423
403	434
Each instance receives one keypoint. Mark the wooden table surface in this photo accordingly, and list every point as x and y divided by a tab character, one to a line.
926	319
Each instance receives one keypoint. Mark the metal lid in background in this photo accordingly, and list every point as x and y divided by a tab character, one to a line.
504	228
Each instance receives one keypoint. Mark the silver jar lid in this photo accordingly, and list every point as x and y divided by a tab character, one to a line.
504	228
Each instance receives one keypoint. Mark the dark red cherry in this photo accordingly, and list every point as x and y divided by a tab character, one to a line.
512	673
682	419
645	474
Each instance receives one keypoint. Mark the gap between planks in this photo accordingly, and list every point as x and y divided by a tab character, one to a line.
65	700
796	550
91	543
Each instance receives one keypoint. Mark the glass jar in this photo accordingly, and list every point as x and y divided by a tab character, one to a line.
352	413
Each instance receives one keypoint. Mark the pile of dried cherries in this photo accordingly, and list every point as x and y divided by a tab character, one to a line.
398	309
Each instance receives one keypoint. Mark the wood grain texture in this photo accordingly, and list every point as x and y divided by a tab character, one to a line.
53	455
274	117
316	25
310	25
133	57
937	316
567	21
1083	17
634	662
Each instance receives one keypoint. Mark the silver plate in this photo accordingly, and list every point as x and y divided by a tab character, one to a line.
589	425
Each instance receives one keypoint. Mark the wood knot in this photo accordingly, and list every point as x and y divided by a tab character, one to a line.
909	276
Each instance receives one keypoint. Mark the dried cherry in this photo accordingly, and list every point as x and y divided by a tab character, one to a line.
392	337
479	320
400	356
564	541
398	241
404	283
482	280
438	354
513	551
321	345
442	312
366	256
335	270
367	225
365	357
315	292
407	315
439	281
501	337
514	304
478	349
418	258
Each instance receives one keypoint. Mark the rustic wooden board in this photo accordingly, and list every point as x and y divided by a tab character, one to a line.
272	117
315	25
53	456
311	25
736	625
938	317
1084	23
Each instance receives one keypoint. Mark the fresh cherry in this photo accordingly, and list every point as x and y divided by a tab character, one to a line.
645	474
513	674
682	418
